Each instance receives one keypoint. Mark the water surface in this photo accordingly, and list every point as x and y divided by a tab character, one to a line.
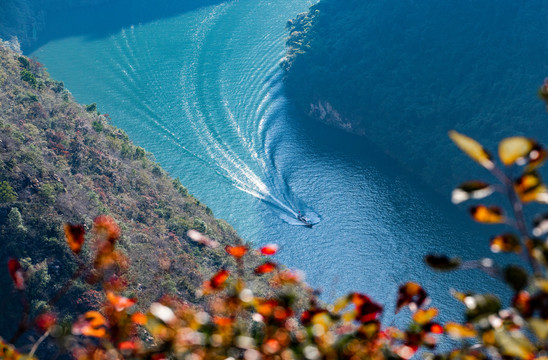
203	92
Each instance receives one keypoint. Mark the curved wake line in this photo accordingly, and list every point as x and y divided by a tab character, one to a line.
230	132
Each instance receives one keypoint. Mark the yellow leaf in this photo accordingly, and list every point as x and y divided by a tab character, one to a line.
514	344
472	148
458	295
341	303
458	331
322	319
542	284
349	316
488	337
515	149
425	316
539	327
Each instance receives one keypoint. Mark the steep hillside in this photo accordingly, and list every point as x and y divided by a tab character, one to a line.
62	162
403	73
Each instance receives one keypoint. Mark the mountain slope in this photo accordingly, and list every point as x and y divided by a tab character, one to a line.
403	73
62	162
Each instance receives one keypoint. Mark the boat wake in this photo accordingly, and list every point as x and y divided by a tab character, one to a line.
228	125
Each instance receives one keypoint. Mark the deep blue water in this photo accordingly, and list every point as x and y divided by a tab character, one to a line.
203	92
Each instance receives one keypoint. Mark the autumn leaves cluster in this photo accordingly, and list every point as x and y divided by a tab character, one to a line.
288	321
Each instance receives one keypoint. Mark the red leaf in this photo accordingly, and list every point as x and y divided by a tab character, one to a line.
265	268
127	346
46	321
435	328
16	273
217	281
411	294
269	249
366	310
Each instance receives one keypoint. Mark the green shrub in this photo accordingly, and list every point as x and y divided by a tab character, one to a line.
97	125
28	77
25	63
91	108
7	194
47	191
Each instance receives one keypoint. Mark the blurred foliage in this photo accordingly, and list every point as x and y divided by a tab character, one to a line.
7	194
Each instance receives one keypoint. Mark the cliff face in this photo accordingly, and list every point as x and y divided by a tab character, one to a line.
403	73
62	162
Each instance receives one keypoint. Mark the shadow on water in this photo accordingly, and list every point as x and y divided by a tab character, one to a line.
96	21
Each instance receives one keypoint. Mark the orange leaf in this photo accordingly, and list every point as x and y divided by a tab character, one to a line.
91	324
75	237
106	227
236	251
488	215
458	331
139	318
505	243
223	321
265	268
120	303
266	307
529	187
269	249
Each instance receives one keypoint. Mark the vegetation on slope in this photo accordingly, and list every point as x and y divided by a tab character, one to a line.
405	72
59	162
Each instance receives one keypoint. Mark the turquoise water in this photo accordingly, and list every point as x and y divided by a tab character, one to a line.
203	92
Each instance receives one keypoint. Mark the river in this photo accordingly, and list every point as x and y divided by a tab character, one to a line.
203	92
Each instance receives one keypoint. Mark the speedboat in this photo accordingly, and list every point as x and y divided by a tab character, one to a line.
304	220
